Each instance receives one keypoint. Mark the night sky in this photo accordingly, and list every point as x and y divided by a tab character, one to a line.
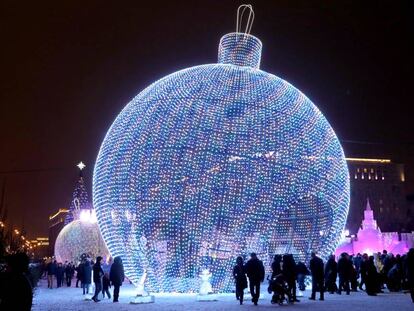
68	68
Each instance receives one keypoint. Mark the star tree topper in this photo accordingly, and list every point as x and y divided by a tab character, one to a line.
81	165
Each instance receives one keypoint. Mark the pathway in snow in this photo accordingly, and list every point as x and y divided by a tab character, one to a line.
71	299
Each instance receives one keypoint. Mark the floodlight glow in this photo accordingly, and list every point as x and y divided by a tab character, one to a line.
84	216
217	161
88	215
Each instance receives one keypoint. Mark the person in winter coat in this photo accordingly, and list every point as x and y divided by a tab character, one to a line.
106	285
372	283
86	276
256	273
97	278
276	265
389	262
15	288
344	273
301	272
117	276
363	270
289	272
79	274
60	271
353	277
409	271
51	272
69	271
357	260
378	262
240	279
331	272
316	268
394	278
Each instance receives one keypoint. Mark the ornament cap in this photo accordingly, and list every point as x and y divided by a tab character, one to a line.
240	49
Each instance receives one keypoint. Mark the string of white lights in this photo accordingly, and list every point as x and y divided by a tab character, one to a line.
81	236
217	161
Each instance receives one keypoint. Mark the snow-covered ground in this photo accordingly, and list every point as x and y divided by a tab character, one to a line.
66	299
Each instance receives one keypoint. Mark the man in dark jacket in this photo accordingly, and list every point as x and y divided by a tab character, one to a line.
60	271
409	271
331	272
69	271
86	279
357	260
51	272
256	273
316	268
372	283
239	274
276	265
117	276
289	272
344	273
79	274
97	278
363	268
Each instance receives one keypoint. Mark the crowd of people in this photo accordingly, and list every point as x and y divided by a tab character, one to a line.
62	272
102	274
371	273
17	282
349	273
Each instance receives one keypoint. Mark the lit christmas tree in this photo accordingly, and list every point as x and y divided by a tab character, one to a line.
79	197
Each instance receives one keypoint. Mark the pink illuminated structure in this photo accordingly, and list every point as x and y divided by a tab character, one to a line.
370	239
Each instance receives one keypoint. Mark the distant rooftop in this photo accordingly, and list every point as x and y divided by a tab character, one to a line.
60	211
368	160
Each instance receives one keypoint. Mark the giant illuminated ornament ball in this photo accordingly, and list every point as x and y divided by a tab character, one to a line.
216	161
81	236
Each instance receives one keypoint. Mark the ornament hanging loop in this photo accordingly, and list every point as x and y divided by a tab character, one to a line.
76	203
250	18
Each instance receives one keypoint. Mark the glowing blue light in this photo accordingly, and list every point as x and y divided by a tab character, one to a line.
216	161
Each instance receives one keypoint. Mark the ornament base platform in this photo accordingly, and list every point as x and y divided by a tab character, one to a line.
208	297
142	299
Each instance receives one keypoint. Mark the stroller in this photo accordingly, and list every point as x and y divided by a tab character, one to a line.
278	286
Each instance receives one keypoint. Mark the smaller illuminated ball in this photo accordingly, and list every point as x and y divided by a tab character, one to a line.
78	237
